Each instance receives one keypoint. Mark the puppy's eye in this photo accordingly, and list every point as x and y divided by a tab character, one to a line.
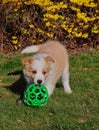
44	72
34	72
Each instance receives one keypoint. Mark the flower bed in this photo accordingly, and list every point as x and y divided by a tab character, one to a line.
29	22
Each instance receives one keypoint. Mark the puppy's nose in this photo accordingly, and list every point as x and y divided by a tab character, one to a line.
39	81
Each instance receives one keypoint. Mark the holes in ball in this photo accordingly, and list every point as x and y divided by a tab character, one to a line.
45	97
31	89
43	91
32	96
36	90
40	96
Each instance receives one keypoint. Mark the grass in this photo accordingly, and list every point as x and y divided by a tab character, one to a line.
78	111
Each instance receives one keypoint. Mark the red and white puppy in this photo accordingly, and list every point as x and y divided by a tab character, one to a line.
48	64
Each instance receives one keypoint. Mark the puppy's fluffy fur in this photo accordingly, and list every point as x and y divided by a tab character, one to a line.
47	66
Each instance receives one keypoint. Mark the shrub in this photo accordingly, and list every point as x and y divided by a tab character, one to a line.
29	22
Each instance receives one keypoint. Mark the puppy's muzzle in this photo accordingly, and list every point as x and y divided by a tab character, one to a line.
39	81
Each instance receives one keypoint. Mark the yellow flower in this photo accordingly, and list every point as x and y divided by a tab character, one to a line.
40	40
15	41
81	15
16	47
81	24
19	45
23	10
87	3
54	16
33	41
85	26
69	30
97	11
76	34
75	29
49	35
53	26
45	19
14	37
25	31
39	2
15	10
48	24
64	26
31	25
55	7
95	29
75	8
40	30
85	35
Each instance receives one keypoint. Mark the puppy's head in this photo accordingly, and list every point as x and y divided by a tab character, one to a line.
37	69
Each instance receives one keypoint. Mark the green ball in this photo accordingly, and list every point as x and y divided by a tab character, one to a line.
36	95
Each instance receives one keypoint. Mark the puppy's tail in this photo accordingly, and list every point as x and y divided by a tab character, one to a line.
32	49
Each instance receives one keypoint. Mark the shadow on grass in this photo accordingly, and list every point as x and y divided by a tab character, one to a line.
18	86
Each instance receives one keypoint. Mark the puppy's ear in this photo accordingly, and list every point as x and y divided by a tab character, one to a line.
49	59
27	61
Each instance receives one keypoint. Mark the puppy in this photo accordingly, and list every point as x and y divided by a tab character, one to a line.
47	66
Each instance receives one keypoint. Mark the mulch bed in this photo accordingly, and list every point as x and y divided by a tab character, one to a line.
7	48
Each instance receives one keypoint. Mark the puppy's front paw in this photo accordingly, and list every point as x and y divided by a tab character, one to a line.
68	90
19	101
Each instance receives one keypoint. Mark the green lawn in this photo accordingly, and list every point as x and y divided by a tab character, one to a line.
77	111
